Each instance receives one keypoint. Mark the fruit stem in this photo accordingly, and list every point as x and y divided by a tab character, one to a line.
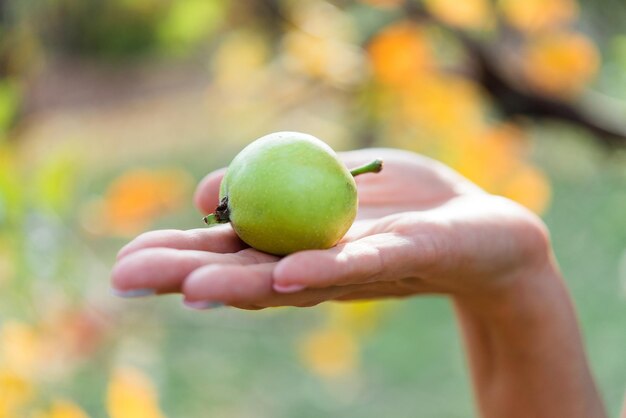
211	219
373	167
221	214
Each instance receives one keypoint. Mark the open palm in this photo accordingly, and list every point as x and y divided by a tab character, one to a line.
421	228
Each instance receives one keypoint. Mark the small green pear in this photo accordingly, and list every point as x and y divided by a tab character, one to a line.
288	192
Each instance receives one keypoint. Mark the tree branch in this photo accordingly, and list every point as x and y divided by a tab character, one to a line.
514	101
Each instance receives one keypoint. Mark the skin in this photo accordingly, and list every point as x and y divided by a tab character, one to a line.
288	192
421	229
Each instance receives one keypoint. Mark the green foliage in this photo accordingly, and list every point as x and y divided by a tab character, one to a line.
10	99
188	22
54	183
106	28
121	28
11	193
618	51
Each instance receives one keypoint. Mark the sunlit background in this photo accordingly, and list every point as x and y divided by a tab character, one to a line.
112	110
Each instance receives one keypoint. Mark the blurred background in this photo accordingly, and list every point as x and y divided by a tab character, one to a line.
112	110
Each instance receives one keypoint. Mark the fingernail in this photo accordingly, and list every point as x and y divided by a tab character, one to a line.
133	293
292	288
201	305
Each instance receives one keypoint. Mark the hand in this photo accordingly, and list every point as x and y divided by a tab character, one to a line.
421	228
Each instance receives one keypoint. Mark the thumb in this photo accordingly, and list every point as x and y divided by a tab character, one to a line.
207	193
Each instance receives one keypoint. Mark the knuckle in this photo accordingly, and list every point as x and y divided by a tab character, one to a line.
535	235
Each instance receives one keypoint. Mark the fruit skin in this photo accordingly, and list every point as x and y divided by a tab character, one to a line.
288	192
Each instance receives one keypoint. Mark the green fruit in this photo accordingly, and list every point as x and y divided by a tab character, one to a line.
287	192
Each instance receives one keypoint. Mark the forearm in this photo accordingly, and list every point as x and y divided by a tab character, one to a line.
526	352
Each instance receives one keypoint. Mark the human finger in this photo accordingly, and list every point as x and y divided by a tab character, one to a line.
162	270
407	179
206	197
246	287
217	239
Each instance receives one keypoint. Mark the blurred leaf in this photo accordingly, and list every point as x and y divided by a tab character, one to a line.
358	317
330	353
63	409
15	392
400	53
107	28
190	21
131	394
322	45
135	199
11	189
618	50
538	15
240	56
528	186
560	63
622	279
384	3
141	6
7	262
325	58
10	101
21	347
491	155
54	183
448	102
324	20
469	14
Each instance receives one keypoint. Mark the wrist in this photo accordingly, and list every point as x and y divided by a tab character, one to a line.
528	294
526	349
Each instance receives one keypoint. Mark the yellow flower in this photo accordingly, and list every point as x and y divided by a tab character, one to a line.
330	353
131	394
